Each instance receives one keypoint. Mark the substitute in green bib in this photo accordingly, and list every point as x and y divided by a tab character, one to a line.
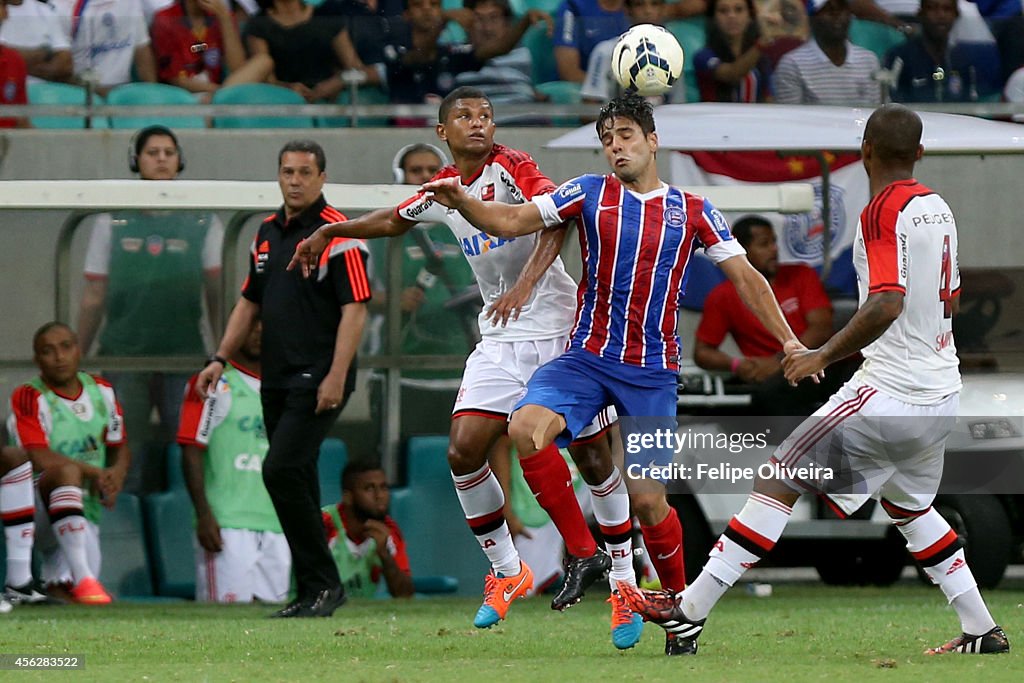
72	426
366	543
148	276
240	552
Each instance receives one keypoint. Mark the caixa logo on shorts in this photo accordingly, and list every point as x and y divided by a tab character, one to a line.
804	232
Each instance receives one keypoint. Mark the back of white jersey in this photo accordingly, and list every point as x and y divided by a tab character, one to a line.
512	177
906	241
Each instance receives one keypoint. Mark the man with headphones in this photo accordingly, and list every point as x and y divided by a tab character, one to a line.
435	275
148	275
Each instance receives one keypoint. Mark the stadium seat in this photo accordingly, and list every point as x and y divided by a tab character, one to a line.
428	512
692	36
45	92
542	53
549	6
333	458
259	93
871	35
561	92
365	95
151	94
124	571
175	475
169	542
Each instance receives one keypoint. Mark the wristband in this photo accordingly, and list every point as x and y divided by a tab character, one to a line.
735	364
217	359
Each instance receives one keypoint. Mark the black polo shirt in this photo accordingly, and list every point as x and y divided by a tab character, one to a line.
301	316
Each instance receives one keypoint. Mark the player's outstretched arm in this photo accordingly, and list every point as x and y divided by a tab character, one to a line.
870	321
494	218
379	223
758	296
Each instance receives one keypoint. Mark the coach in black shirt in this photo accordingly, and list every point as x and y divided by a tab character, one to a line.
311	328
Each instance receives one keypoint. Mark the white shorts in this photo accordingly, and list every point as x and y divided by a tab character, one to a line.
252	564
871	444
496	375
55	565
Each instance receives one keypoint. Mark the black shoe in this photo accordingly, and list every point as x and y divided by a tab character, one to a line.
581	572
30	593
992	643
326	601
664	609
677	645
296	608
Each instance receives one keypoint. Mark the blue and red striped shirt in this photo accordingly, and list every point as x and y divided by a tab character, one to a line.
636	250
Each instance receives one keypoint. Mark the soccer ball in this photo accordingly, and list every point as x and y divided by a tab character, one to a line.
647	59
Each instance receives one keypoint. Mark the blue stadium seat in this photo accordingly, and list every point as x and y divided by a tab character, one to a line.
871	35
561	92
150	94
542	53
175	475
692	36
124	572
368	94
169	540
430	517
44	92
259	93
549	6
333	458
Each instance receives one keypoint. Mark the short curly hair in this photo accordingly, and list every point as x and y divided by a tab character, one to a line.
628	105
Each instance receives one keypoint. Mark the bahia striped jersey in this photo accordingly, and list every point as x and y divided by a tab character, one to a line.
636	249
512	177
906	242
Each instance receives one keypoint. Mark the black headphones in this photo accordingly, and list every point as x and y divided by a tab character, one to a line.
399	161
138	141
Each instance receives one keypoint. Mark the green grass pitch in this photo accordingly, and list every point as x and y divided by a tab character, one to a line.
804	632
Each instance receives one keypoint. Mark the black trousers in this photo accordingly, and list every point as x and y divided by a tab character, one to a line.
290	473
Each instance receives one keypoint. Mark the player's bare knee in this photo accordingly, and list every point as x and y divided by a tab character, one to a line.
651	508
464	457
11	457
61	474
773	488
593	460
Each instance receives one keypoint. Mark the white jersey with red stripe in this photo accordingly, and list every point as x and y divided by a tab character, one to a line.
906	242
511	177
636	249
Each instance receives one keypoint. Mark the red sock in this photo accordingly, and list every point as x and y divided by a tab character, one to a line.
664	543
548	477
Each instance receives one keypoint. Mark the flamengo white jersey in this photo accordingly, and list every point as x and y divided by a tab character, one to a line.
906	242
512	177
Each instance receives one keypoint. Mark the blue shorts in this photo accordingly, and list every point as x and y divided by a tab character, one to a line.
578	384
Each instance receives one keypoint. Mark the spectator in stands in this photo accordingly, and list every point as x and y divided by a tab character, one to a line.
1009	35
372	24
580	25
147	276
365	542
12	78
419	69
196	41
34	29
784	27
508	77
241	553
932	68
72	426
733	67
109	39
600	84
801	297
308	52
828	69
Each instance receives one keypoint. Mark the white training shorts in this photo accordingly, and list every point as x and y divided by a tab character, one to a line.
251	565
55	565
496	375
871	444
